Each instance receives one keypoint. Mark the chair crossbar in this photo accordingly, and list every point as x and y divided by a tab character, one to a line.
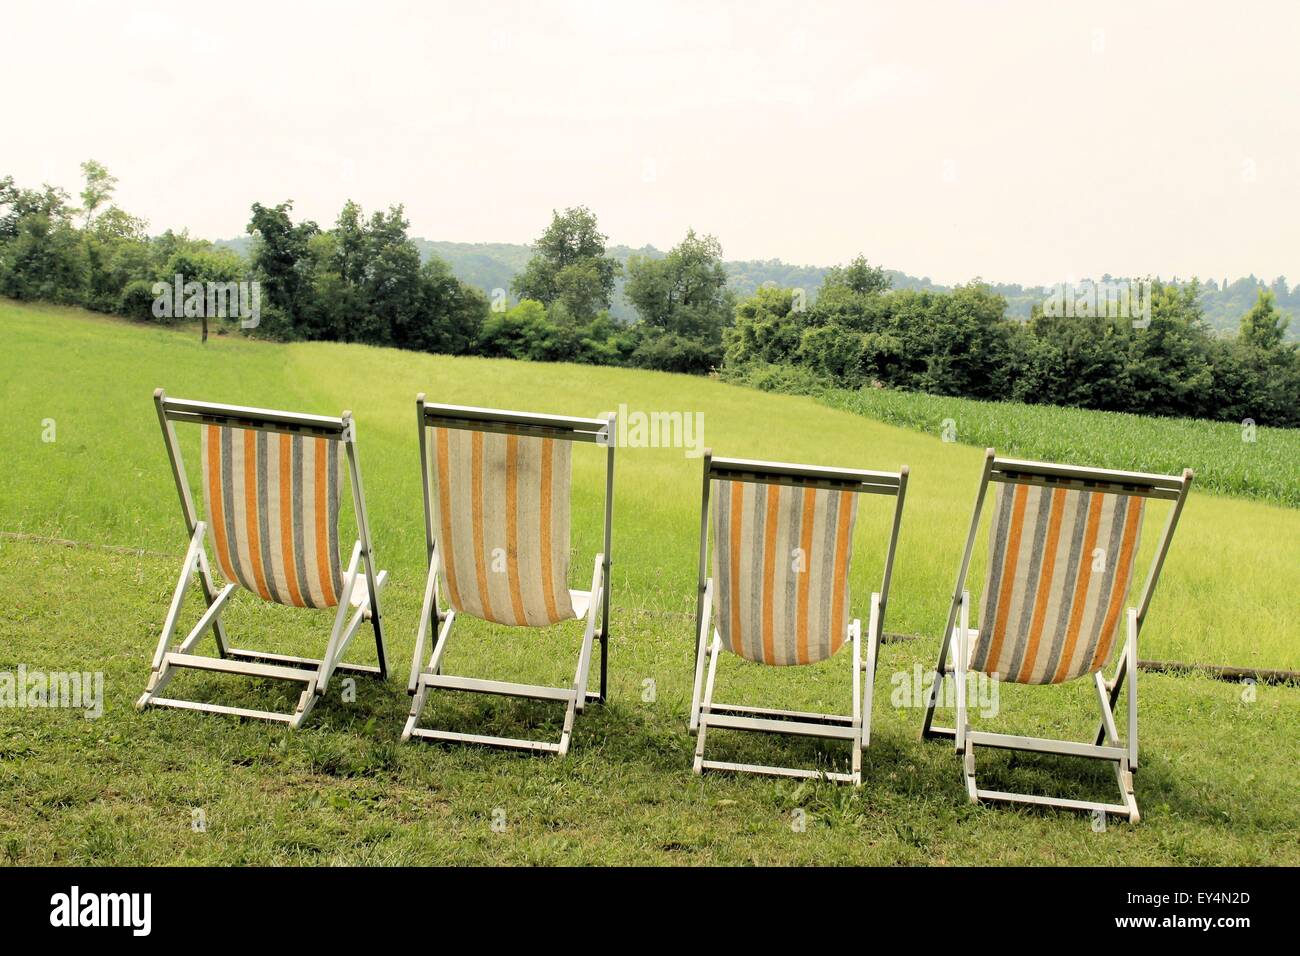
434	415
1015	467
1044	745
245	416
270	715
743	710
503	688
854	727
369	670
738	469
247	668
1058	802
1102	486
512	743
799	728
771	771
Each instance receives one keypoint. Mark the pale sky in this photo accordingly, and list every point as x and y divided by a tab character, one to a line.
1020	142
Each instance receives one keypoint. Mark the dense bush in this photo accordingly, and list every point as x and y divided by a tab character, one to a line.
858	333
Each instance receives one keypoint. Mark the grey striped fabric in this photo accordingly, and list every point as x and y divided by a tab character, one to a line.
1060	564
781	557
502	514
272	503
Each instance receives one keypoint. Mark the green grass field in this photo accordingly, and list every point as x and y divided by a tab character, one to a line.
1220	764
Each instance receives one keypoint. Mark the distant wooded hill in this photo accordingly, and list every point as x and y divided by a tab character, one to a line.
491	265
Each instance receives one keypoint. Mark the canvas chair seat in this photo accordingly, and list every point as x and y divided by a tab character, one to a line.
502	516
273	506
1060	565
780	565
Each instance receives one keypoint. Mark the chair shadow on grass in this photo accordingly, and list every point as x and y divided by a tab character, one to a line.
934	767
1058	775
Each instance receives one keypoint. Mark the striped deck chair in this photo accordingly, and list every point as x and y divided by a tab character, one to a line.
1063	543
271	488
778	594
496	515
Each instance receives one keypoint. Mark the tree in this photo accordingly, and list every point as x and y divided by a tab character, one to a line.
685	291
50	201
198	262
100	185
40	255
521	332
569	267
452	313
117	253
1263	327
858	277
391	283
854	296
1258	376
767	330
281	263
362	281
333	303
684	305
351	247
1167	365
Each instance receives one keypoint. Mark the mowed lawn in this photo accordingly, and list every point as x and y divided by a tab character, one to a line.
1220	763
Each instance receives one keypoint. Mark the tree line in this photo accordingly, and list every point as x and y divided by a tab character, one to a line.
860	333
362	279
492	265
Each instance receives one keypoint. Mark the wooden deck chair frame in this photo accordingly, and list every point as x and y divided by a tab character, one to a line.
1107	744
593	605
314	674
854	727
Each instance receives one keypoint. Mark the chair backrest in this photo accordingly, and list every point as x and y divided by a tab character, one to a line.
271	486
1063	542
1060	564
782	548
498	508
272	501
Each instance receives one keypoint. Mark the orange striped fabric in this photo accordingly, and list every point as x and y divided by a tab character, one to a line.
272	502
1060	565
781	558
501	512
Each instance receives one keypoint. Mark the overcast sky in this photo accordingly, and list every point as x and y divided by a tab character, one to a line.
1028	142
